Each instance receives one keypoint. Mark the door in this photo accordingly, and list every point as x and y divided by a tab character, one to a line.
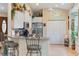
3	21
56	31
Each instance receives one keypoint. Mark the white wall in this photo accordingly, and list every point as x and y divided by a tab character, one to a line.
9	19
4	14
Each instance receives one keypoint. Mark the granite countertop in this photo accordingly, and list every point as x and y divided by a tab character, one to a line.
22	37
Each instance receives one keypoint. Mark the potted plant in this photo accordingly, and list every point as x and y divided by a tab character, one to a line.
73	39
17	7
73	44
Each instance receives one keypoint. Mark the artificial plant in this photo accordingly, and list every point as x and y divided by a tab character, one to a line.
17	7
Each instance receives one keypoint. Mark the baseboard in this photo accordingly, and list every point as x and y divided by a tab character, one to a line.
56	44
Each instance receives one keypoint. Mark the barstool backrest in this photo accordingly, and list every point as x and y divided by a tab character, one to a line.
32	41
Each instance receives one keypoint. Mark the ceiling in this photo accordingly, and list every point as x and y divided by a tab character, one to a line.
36	7
3	8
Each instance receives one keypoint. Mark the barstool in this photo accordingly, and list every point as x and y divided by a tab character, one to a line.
33	46
11	47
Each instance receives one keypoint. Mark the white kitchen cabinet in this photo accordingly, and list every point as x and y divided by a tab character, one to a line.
20	18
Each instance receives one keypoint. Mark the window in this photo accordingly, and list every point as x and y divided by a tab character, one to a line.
37	28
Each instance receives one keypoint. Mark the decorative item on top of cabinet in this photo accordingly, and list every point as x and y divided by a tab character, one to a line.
19	7
16	6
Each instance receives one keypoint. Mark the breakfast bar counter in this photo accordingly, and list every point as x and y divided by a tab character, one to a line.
23	45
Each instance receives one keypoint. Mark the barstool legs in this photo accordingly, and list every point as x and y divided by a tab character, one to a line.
31	52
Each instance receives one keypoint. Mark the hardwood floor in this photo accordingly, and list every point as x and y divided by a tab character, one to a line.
0	49
60	50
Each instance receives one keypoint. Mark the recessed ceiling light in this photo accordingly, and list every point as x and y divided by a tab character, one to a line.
50	9
62	3
56	5
37	4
